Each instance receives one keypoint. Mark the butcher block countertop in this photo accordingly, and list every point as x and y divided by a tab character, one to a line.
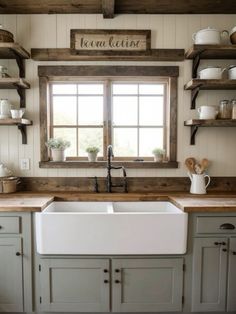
36	202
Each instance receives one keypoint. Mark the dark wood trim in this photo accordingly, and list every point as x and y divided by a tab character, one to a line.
107	71
67	54
64	72
43	117
108	9
103	164
121	7
135	184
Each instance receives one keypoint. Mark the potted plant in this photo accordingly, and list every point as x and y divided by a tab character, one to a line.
92	153
159	154
58	147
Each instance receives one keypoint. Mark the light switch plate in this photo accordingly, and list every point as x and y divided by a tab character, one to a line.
25	164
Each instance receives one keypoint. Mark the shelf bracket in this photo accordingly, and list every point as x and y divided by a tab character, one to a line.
194	94
21	93
21	64
196	61
22	129
194	129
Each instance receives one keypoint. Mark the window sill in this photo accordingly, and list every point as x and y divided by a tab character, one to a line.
102	164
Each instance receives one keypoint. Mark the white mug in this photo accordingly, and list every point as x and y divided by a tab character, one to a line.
17	113
198	184
207	112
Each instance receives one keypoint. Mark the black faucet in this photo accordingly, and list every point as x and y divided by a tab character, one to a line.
110	185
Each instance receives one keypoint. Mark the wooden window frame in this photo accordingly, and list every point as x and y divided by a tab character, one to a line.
48	74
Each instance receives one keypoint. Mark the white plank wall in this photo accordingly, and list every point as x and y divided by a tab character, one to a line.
168	31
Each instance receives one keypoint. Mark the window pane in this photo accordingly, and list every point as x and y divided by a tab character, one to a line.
64	89
68	134
125	142
90	137
90	110
125	89
151	110
125	110
64	110
150	138
151	89
90	89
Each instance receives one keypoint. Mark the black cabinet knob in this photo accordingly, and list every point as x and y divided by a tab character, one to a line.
234	253
117	281
117	270
105	270
106	281
224	250
18	253
0	227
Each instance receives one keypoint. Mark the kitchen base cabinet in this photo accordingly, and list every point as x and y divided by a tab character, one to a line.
11	276
231	295
110	284
74	285
15	262
209	274
147	285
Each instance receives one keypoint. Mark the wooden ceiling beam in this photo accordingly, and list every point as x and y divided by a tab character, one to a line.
108	9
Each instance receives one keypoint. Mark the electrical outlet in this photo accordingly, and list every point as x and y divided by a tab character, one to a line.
25	164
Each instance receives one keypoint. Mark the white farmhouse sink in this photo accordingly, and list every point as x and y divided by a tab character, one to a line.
111	228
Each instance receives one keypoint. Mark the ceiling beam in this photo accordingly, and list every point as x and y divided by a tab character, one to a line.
108	9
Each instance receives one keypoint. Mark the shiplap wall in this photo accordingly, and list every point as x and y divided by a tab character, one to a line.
168	31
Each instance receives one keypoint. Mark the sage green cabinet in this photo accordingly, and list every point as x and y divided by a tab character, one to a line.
214	274
11	277
15	262
231	293
117	285
74	285
147	285
209	274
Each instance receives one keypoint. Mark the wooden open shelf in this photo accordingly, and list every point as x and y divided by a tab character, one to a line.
198	52
16	83
15	51
20	123
196	123
67	54
195	85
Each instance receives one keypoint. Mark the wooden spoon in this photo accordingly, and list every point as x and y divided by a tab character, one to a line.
190	164
204	164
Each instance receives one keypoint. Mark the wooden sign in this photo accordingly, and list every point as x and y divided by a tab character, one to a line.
113	40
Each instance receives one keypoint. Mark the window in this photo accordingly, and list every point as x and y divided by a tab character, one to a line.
133	113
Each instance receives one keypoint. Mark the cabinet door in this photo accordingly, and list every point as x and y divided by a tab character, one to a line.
147	285
209	274
75	285
231	295
11	280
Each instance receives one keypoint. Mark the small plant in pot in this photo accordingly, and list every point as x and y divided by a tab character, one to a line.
58	147
159	154
92	153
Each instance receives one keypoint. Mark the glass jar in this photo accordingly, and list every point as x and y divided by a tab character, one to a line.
225	109
233	104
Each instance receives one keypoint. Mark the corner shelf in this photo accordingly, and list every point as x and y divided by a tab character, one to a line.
195	85
198	52
194	124
20	123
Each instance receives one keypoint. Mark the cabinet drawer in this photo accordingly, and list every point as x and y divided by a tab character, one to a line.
9	225
216	224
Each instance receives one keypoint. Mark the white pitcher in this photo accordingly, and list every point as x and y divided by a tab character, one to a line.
5	107
198	183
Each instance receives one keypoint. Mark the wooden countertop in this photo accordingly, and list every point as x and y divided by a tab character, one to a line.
35	202
24	203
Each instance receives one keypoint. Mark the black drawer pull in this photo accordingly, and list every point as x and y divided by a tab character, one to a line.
219	243
227	226
0	227
18	254
117	281
106	281
234	253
